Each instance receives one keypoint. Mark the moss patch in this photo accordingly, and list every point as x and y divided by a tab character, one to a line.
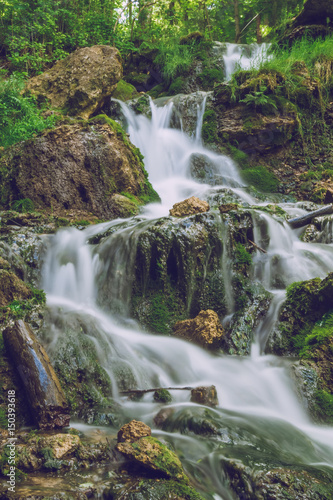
209	126
125	91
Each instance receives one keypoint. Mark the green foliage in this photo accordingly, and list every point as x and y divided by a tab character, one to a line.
259	101
47	453
23	206
174	59
242	256
261	178
20	117
318	335
18	309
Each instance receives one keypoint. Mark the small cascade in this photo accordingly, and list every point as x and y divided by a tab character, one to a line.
235	56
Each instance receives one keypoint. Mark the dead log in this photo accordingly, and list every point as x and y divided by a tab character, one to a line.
307	218
45	396
144	391
256	246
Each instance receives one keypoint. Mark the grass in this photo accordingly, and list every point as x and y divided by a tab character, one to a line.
20	116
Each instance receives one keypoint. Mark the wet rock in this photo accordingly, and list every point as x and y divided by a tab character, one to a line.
133	431
205	396
60	444
81	82
162	396
76	166
228	207
151	454
45	395
205	329
190	206
162	417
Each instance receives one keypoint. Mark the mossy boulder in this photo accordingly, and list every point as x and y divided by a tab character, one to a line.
151	454
81	82
77	166
306	330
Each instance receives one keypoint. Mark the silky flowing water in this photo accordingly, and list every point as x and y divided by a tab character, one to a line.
259	412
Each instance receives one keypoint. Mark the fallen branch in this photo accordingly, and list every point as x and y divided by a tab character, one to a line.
307	218
144	391
256	246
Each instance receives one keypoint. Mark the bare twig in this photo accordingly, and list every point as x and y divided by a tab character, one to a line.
144	391
256	246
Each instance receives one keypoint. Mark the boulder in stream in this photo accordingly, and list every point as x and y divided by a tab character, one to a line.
190	206
133	431
205	396
81	82
45	395
151	454
205	329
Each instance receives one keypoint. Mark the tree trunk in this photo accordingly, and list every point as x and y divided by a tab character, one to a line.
259	36
44	393
307	218
237	22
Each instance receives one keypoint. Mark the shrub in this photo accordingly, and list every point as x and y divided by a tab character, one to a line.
20	117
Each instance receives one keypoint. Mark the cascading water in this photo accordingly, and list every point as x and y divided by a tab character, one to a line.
236	56
259	411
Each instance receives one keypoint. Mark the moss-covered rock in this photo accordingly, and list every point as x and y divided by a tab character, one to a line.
306	330
124	91
151	454
77	166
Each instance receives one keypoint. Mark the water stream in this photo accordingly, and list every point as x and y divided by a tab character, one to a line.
259	411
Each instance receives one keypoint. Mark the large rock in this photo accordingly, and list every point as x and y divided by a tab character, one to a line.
133	431
46	398
77	166
190	206
151	454
205	329
81	82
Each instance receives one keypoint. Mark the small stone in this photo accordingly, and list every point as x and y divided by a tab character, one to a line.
228	207
190	206
205	396
205	329
133	431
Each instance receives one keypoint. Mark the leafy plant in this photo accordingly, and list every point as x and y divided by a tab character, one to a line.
20	117
23	206
259	100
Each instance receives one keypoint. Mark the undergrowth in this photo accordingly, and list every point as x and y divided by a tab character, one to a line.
20	117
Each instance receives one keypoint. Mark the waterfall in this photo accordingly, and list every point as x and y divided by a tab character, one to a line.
258	407
233	56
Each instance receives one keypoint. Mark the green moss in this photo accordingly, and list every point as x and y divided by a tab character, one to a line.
124	91
210	77
162	396
156	91
324	405
177	86
261	179
3	418
209	126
